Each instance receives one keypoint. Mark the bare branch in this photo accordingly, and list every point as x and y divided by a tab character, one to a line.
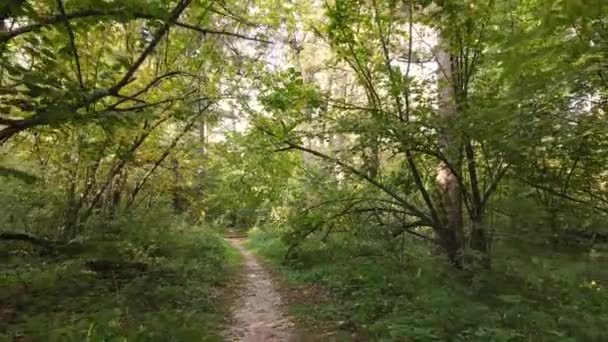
152	84
220	32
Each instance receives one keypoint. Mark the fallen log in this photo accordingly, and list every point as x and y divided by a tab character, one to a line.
70	248
34	240
105	266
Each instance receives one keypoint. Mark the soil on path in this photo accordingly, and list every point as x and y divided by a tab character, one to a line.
258	313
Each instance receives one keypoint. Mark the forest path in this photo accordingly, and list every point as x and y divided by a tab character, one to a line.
257	315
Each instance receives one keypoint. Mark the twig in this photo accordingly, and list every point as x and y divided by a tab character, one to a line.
223	33
72	43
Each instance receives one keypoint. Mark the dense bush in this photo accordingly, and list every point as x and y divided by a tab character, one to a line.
101	293
418	298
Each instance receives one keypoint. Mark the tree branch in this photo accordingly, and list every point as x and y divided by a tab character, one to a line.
152	84
119	164
494	185
181	6
72	43
162	158
220	32
42	119
16	236
405	203
561	195
5	36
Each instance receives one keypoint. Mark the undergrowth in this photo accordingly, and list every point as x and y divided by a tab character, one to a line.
174	296
386	298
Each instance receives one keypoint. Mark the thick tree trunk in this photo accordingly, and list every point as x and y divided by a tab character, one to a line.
479	242
452	99
451	246
451	147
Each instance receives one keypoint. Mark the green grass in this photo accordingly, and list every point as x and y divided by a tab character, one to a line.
234	258
234	264
382	298
178	298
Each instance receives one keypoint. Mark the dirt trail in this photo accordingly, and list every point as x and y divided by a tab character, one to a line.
257	315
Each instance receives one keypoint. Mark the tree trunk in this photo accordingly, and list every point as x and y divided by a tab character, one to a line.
479	242
451	147
115	198
178	203
203	134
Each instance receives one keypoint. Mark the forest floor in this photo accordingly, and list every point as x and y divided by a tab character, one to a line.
99	291
258	314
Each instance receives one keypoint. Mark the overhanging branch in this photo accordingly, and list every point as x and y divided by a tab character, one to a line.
42	22
402	201
163	156
42	118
